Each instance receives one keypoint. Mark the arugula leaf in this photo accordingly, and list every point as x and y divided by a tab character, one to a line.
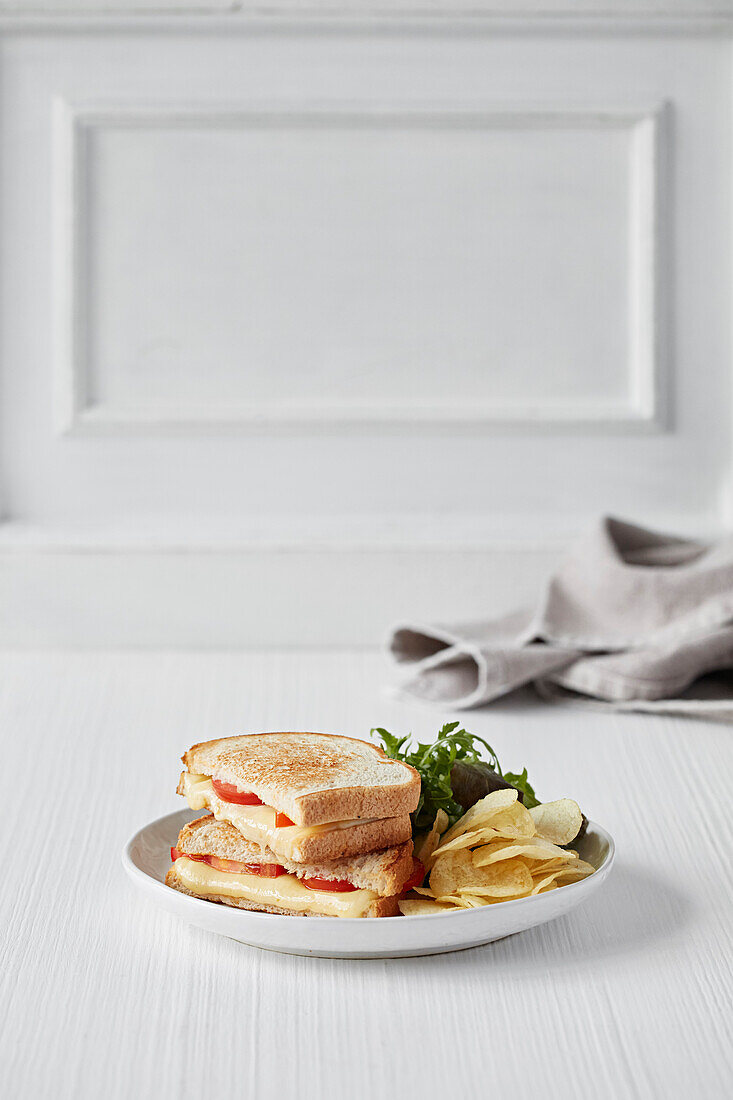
522	783
434	763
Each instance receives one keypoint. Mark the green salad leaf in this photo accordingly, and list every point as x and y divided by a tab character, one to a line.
522	783
434	761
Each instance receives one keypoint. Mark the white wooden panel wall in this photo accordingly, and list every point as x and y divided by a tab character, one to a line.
366	265
312	324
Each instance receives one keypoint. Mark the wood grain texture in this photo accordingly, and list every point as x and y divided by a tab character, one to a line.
101	994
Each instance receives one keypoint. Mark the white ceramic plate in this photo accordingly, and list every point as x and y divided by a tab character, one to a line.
147	858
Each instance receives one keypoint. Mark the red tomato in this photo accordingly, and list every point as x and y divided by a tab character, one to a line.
175	854
282	820
339	886
267	870
264	870
415	879
229	793
232	865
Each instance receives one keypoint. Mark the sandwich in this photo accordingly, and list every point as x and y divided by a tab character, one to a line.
304	823
212	860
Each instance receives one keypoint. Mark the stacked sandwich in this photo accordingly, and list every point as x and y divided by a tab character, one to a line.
298	823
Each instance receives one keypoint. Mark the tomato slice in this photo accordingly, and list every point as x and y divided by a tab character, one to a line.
232	865
265	870
338	886
175	854
230	793
415	879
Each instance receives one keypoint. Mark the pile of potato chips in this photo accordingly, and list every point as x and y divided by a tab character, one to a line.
497	851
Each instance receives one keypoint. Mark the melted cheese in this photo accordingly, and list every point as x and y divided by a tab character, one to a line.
285	891
255	823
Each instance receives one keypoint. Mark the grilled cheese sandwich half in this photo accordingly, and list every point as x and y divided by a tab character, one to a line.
307	796
314	778
213	861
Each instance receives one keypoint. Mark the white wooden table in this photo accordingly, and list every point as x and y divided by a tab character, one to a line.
105	996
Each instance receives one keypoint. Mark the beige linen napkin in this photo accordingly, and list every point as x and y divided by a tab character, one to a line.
631	618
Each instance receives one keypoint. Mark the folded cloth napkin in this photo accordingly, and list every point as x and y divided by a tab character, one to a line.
631	619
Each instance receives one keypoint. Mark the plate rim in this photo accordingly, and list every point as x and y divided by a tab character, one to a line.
150	882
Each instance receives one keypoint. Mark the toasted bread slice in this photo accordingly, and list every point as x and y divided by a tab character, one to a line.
383	872
375	905
300	843
314	778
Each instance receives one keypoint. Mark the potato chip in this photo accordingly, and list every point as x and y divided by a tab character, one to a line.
544	866
530	848
466	840
453	899
473	901
420	907
581	866
543	883
432	839
576	866
514	821
502	880
558	821
481	812
486	892
531	842
500	850
546	845
422	890
457	869
574	871
450	870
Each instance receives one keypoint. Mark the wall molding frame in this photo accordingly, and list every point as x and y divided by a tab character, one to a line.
647	407
677	17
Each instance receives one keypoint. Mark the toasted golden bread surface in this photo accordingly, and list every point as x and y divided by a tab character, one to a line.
314	778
